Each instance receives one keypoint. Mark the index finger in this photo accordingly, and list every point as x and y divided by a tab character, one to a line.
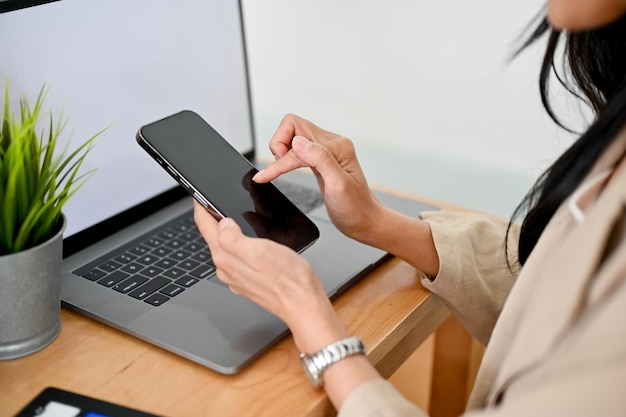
286	163
292	126
281	140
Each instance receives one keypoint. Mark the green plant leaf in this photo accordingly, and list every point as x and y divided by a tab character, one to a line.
36	178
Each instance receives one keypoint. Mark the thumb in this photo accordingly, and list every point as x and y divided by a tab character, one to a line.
227	223
229	232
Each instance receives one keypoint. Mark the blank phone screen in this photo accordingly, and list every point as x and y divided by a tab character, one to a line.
209	165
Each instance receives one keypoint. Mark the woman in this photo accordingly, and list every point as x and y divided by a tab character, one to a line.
547	298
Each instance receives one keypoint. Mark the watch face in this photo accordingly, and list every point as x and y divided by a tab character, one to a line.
311	371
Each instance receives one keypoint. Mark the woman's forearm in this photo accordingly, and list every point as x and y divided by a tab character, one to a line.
405	237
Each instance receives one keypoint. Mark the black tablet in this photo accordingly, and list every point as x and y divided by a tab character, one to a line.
54	402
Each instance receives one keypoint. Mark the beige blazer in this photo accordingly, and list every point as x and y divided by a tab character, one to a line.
556	335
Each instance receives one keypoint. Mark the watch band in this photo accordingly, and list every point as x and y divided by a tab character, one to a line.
315	364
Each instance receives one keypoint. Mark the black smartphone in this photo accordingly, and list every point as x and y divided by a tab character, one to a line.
220	178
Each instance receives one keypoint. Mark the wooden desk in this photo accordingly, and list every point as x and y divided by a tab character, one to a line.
388	309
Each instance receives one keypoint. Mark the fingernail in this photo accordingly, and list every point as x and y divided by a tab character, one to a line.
301	143
224	223
258	174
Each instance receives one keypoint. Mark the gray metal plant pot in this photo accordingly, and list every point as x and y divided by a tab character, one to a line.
30	298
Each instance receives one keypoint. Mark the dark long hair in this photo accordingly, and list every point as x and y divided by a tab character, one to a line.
595	71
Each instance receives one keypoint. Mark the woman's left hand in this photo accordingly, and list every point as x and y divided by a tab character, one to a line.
284	283
273	276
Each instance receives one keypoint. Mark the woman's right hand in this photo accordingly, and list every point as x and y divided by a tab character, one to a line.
351	205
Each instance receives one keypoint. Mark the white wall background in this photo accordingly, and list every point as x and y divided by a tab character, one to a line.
423	88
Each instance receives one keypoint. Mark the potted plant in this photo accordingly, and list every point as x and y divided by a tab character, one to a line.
36	181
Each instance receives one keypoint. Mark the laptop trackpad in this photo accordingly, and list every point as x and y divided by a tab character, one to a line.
339	260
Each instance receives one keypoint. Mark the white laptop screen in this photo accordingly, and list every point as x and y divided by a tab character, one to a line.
119	64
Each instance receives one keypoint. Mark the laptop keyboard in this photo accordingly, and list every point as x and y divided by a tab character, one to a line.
171	259
157	266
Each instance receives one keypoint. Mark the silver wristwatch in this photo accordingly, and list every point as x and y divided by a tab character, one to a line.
315	364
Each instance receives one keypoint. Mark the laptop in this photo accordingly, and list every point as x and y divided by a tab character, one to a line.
132	255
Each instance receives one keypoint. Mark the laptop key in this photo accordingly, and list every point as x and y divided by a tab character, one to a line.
188	264
125	258
171	290
129	284
113	278
139	250
161	251
186	281
132	268
109	266
151	271
194	247
166	263
203	256
203	271
149	287
147	259
157	299
174	273
188	236
175	243
94	274
167	235
181	227
153	242
180	255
